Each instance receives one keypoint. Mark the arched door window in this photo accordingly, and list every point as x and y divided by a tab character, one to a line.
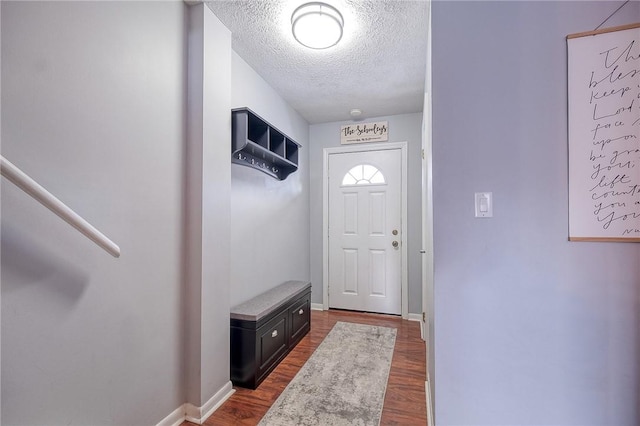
363	174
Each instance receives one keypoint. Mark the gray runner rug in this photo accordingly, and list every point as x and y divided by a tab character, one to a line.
343	383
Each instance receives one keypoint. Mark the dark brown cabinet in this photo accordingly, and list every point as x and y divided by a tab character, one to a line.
265	329
299	319
271	342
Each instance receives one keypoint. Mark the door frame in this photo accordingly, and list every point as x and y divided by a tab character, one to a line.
402	146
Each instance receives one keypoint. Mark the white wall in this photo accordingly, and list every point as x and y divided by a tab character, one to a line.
404	127
207	207
96	101
269	218
0	227
529	328
93	108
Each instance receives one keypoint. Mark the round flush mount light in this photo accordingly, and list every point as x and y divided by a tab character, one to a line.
317	25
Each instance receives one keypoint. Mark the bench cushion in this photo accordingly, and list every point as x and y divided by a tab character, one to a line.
270	301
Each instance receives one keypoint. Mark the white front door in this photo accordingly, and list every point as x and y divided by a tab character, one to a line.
365	231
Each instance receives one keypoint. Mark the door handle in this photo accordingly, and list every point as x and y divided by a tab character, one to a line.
274	333
394	244
300	312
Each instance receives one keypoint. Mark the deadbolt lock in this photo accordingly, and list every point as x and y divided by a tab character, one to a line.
394	232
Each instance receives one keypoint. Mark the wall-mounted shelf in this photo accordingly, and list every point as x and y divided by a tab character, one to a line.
256	143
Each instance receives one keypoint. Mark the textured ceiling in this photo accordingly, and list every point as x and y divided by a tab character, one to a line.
378	66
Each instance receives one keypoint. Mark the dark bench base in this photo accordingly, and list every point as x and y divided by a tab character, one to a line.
258	345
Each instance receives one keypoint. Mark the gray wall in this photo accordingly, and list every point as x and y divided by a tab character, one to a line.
93	107
405	127
207	230
269	218
529	328
96	104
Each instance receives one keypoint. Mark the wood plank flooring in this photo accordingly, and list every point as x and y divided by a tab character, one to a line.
404	403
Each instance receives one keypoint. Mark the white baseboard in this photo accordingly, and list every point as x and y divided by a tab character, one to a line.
417	317
174	419
217	400
198	415
427	391
317	307
414	317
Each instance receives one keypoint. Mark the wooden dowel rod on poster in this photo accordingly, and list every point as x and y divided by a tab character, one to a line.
604	30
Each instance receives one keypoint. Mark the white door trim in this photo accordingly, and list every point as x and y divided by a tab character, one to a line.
325	215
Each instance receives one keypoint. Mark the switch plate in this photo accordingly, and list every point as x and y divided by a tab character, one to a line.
484	204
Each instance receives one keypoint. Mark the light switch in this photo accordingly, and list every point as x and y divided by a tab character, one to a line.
484	204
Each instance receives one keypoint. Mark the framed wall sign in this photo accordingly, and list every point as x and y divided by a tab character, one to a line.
364	132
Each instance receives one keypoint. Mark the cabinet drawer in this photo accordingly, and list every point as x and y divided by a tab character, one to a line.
300	318
272	342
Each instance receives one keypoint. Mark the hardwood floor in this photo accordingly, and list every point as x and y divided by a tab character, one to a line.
404	403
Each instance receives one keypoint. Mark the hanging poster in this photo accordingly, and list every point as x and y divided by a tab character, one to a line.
604	134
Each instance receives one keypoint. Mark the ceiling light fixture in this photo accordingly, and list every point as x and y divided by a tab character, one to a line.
317	25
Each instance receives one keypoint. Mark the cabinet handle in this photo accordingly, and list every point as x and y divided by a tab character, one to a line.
301	312
274	333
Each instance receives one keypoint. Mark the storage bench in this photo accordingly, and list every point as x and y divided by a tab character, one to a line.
265	329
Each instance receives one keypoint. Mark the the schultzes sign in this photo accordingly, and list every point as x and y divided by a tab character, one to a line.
364	132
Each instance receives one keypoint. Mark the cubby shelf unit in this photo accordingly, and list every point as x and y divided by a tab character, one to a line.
256	143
